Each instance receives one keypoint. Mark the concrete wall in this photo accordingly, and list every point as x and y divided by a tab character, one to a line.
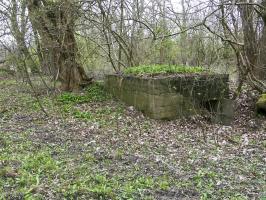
173	96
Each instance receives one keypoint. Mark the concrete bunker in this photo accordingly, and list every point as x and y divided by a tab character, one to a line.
175	96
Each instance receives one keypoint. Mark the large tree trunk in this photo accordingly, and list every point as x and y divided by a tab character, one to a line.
71	74
262	56
255	48
55	22
250	47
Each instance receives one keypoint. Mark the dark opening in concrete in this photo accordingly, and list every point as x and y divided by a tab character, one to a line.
211	105
261	111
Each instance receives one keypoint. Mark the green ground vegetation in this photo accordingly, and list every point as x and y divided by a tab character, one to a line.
162	69
92	147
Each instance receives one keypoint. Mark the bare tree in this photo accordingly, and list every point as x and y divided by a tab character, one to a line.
128	33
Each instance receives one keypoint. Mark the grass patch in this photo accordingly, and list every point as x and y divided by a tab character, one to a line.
162	69
94	93
82	115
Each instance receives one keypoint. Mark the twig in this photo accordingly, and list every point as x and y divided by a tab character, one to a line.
33	89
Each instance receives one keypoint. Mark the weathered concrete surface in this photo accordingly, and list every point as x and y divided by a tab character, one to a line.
225	112
173	96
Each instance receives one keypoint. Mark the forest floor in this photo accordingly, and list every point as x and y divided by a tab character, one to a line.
94	147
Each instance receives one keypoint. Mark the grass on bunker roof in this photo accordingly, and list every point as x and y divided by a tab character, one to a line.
94	147
163	69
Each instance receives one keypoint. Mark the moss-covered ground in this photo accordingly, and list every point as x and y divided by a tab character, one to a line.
94	147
